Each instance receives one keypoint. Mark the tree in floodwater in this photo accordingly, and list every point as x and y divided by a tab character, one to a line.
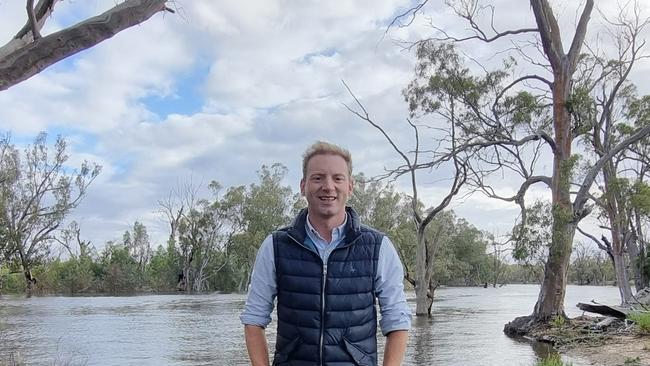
37	197
506	119
438	153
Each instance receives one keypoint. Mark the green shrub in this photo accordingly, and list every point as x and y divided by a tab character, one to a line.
558	321
642	320
631	361
11	282
553	360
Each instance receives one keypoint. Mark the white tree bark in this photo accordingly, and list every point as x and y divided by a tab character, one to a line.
24	57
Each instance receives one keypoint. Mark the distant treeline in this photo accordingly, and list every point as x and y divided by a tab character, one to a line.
213	240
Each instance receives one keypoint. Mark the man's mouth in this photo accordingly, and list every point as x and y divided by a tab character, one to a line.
327	198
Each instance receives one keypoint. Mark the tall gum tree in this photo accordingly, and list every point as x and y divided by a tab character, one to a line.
507	121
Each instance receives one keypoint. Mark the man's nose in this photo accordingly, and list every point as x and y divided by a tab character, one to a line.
328	183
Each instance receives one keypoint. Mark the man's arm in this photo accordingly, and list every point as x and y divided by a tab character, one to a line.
395	313
259	304
256	344
395	347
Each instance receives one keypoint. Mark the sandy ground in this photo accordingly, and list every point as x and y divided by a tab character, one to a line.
623	350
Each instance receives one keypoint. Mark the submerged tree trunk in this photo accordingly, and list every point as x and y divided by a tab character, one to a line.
424	285
422	303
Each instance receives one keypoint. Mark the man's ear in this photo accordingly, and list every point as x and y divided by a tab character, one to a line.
302	186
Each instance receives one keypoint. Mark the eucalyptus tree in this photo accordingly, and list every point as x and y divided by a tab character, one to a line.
268	205
9	161
219	236
30	52
38	197
136	241
508	116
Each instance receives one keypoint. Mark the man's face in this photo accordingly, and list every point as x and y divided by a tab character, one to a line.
327	186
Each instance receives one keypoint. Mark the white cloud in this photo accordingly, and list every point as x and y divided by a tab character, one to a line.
265	81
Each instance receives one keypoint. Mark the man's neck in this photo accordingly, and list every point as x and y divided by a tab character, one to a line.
324	226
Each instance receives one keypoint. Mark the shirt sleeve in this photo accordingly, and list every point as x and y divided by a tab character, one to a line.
262	289
389	285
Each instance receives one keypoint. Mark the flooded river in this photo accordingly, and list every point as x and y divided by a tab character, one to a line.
204	329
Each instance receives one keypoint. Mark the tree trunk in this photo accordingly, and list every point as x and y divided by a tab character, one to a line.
422	302
550	302
636	263
622	280
638	234
30	281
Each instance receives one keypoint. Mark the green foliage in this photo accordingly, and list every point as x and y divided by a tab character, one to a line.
532	240
38	191
640	197
553	360
590	266
119	270
558	321
10	281
162	271
582	108
76	275
632	361
642	321
638	110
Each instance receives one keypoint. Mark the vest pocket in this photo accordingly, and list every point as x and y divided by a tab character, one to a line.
281	356
360	357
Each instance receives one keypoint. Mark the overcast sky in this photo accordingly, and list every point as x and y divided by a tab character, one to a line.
220	88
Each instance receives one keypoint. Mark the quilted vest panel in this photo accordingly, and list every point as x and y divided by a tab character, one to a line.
326	312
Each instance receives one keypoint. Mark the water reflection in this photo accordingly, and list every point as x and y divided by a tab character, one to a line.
422	341
205	330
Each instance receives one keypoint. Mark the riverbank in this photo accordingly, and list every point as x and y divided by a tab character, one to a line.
621	350
597	340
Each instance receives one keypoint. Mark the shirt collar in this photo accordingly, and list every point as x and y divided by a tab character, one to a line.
337	232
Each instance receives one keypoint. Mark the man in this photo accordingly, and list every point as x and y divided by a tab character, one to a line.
327	270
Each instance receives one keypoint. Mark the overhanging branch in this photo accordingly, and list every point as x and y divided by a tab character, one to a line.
22	63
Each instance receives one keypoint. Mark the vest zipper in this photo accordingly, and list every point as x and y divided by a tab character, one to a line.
322	298
322	314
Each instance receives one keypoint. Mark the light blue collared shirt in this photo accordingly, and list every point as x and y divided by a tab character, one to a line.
395	312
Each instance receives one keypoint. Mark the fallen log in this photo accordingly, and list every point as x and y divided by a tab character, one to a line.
615	311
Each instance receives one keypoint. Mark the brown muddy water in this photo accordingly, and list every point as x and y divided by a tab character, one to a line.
204	329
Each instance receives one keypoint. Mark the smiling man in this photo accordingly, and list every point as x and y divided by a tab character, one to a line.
327	270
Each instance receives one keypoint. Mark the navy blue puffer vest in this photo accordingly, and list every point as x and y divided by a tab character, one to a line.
326	311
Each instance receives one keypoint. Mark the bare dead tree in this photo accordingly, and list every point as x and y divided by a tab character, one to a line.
70	239
29	53
426	247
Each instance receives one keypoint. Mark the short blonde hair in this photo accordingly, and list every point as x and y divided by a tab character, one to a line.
325	148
